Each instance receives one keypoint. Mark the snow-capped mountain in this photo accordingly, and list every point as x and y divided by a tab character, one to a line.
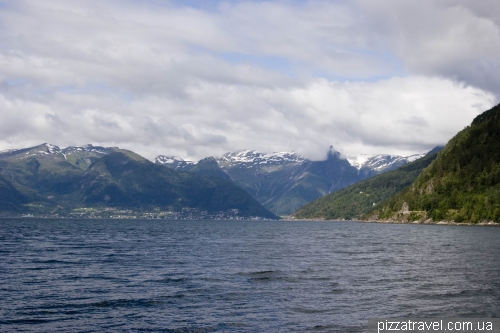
381	162
207	167
241	158
284	181
253	158
51	181
47	149
80	157
43	149
281	181
87	149
250	158
173	162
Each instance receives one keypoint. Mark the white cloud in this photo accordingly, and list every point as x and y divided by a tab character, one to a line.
395	115
371	76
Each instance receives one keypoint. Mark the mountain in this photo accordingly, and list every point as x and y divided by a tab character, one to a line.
124	179
45	170
79	157
285	181
461	184
382	162
356	200
253	158
49	180
264	176
207	167
54	180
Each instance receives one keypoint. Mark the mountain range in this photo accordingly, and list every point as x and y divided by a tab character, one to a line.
52	180
382	162
48	180
285	181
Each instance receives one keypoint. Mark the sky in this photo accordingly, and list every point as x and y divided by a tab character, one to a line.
202	78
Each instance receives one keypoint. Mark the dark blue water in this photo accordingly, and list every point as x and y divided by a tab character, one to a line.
241	276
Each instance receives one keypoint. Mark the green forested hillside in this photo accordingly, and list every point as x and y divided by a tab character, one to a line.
462	184
360	198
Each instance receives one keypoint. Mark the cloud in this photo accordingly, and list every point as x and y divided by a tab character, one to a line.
397	115
368	76
455	39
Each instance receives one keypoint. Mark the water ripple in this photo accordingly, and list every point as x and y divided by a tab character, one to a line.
240	276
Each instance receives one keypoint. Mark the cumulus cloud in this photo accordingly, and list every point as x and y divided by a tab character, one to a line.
370	76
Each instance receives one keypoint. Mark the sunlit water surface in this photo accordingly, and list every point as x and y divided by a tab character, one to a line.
234	276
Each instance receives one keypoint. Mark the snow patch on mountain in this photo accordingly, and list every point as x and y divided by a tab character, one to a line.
253	157
415	157
8	151
87	148
47	149
173	161
50	150
381	162
358	161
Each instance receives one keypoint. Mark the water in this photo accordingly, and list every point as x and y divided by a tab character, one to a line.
240	276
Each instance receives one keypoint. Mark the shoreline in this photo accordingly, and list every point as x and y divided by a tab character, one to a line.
284	219
446	223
